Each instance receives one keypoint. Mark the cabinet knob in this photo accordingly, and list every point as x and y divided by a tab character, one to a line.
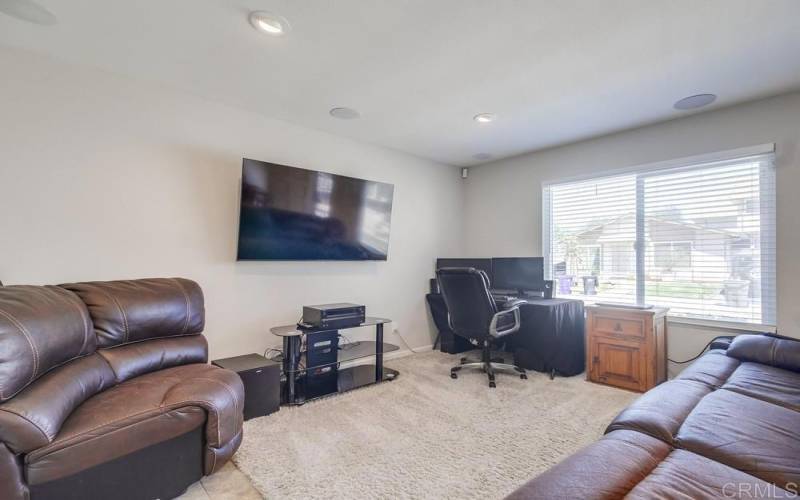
596	359
618	327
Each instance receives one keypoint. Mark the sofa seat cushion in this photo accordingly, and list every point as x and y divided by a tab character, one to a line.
756	437
713	369
683	474
767	383
96	446
146	410
606	469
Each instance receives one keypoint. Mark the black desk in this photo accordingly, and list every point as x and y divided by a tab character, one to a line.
550	338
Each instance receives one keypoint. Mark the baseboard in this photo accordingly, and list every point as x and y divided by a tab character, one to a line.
402	353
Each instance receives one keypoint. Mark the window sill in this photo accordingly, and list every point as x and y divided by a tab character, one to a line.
721	325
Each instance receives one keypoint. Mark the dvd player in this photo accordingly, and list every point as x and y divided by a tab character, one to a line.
333	315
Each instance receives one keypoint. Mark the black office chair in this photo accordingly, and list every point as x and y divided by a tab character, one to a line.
473	314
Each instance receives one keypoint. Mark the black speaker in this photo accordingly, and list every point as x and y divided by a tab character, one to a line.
262	383
547	291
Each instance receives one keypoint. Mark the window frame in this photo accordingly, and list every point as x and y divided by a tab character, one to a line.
768	313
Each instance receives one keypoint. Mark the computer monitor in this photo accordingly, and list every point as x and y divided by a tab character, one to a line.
484	265
518	273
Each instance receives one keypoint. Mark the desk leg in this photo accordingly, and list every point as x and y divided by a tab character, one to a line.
379	352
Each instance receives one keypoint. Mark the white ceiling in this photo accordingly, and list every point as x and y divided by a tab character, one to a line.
418	70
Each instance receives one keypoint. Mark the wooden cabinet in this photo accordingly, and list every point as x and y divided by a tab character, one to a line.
626	348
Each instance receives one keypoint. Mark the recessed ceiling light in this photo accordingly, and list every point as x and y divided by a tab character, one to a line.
28	10
271	24
482	156
695	101
345	113
484	117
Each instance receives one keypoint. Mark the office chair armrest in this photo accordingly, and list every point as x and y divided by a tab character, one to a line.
514	311
514	303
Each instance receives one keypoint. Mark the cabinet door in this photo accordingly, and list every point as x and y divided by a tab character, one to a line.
618	363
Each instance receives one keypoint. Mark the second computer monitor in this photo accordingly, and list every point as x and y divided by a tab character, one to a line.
518	273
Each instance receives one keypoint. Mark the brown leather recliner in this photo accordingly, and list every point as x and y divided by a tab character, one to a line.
105	391
727	427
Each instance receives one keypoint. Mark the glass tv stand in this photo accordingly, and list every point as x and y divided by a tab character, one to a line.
304	383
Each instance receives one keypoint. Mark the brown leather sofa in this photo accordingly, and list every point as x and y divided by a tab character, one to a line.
105	391
727	427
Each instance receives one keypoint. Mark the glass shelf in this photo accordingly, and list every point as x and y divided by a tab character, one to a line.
343	380
349	352
294	330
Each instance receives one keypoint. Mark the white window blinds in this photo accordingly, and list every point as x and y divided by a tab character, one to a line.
698	239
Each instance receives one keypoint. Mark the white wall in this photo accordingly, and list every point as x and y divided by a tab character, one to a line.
103	177
503	199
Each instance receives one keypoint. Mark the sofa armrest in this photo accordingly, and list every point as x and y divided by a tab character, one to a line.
767	350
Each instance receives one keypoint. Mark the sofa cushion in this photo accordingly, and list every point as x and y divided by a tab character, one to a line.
764	349
33	418
109	442
756	437
767	383
134	310
606	469
713	369
142	411
683	474
661	411
138	358
41	327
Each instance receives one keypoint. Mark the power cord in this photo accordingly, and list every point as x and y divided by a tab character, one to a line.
694	358
349	344
404	342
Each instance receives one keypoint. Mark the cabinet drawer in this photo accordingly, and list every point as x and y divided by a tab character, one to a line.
619	325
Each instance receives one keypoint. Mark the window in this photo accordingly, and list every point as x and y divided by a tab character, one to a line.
698	239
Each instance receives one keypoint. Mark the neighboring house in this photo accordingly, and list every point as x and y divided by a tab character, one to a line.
675	251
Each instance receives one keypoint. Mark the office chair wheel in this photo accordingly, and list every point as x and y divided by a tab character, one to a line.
453	375
523	376
463	360
492	384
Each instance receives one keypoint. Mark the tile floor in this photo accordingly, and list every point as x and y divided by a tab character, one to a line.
227	484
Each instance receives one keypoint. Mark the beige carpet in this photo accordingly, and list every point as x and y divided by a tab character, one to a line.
425	435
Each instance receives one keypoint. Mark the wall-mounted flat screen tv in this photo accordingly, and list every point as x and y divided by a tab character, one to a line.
290	213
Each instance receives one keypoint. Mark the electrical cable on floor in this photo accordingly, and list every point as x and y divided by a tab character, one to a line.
692	359
404	342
